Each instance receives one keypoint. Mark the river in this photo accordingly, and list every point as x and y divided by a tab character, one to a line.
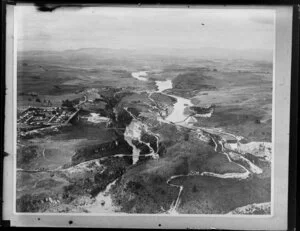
164	85
104	202
178	117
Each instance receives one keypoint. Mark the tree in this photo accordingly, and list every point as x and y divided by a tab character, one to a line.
195	189
186	136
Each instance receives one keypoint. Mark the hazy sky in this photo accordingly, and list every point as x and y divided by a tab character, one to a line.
144	28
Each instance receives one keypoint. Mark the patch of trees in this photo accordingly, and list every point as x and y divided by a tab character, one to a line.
48	103
26	155
144	149
147	138
162	150
101	150
183	168
77	187
70	103
67	103
186	136
158	179
27	204
134	111
194	81
134	186
124	118
102	179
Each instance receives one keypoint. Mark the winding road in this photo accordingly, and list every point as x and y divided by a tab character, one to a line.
178	118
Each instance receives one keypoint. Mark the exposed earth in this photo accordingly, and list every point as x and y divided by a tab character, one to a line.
103	133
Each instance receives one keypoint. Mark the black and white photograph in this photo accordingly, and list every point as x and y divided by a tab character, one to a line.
149	112
141	111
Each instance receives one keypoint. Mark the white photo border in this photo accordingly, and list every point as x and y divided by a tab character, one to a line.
280	161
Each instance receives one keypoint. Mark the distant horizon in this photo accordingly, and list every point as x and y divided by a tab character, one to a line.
209	53
144	28
131	49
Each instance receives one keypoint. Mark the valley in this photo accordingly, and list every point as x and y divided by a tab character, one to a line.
172	136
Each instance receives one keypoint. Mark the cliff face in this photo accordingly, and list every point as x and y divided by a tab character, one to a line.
135	163
118	146
143	144
121	122
258	149
122	118
132	136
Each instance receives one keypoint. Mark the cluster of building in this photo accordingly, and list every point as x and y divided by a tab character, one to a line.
44	116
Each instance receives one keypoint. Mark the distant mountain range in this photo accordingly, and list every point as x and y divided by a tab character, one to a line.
198	53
